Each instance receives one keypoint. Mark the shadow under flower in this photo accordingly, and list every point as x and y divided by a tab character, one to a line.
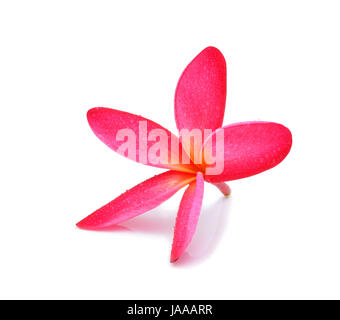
210	229
211	226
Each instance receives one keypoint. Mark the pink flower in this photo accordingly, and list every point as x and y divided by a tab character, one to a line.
237	150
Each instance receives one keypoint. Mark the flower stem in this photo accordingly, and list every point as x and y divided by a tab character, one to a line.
223	187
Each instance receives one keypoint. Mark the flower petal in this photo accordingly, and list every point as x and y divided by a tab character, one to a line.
135	137
187	217
140	199
201	92
245	149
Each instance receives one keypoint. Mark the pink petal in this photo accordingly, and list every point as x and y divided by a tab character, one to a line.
201	92
249	148
187	217
140	199
117	128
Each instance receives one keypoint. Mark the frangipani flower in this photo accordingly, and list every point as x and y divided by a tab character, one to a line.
237	151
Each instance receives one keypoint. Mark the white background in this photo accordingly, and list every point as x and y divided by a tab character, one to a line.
277	236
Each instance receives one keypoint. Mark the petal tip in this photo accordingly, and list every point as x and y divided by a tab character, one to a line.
82	224
91	113
174	256
90	116
87	224
212	50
